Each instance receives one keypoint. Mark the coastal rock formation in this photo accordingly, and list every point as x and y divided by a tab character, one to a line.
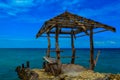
69	72
84	75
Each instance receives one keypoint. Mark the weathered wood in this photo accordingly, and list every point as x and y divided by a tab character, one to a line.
67	57
26	74
57	45
55	50
93	33
69	20
91	49
63	32
48	50
50	60
73	48
23	66
49	28
47	68
46	28
79	35
59	36
28	64
58	51
95	61
52	70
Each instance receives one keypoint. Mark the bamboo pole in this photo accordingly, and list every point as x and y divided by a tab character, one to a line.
48	50
91	49
73	48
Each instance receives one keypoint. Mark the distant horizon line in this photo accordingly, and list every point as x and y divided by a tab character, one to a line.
60	48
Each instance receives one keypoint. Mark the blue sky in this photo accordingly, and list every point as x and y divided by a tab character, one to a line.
20	21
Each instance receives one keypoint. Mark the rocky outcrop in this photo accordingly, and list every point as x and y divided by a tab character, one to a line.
26	74
69	72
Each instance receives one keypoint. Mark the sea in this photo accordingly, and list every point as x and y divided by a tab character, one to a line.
10	58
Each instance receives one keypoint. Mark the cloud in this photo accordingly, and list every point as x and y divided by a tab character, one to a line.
112	42
14	7
105	42
99	42
89	12
70	4
22	3
30	19
35	8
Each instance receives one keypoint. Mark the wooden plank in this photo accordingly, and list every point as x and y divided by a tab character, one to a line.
79	35
95	61
91	49
59	36
46	28
67	57
55	50
63	32
49	60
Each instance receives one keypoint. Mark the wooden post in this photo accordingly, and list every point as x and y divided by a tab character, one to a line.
91	49
48	50
23	66
57	51
28	64
57	45
73	48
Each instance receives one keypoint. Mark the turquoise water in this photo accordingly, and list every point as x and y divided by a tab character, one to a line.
108	62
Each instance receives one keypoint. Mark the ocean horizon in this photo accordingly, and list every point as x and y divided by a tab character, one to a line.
108	62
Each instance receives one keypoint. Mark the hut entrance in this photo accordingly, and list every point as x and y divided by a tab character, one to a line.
70	24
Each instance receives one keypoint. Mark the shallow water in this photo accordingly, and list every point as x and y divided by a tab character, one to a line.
108	62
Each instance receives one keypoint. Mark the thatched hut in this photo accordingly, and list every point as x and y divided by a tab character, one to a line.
71	24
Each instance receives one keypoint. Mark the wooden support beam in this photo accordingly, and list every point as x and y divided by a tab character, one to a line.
91	49
44	29
95	61
28	64
48	50
63	32
93	33
57	51
23	66
73	48
79	35
59	36
57	45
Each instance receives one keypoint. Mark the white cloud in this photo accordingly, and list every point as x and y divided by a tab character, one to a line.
13	7
67	4
104	42
22	3
101	11
99	42
112	42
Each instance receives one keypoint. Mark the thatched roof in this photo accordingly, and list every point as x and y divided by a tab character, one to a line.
71	21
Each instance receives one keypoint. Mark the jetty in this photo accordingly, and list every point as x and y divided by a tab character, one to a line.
65	25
